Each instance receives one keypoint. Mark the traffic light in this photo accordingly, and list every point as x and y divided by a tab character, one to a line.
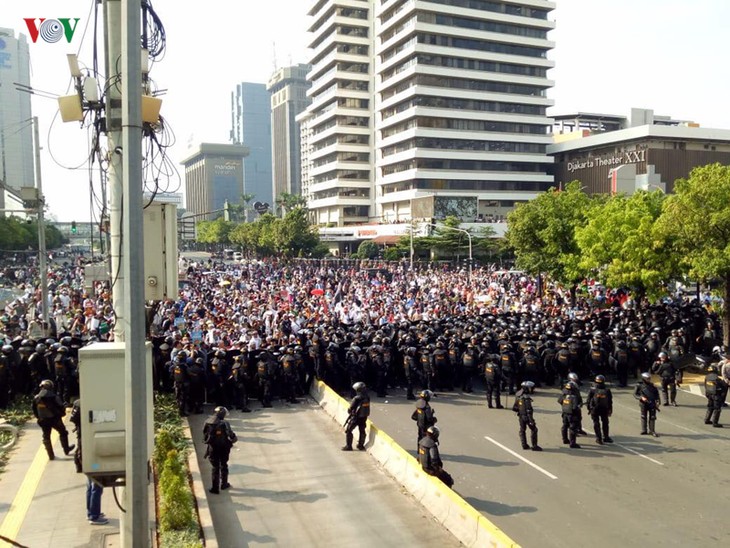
73	227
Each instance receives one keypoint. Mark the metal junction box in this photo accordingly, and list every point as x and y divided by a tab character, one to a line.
102	388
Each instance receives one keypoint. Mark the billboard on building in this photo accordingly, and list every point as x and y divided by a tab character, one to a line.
226	182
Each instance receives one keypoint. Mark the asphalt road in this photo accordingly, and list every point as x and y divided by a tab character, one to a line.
639	491
293	486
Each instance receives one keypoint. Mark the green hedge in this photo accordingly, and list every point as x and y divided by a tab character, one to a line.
178	524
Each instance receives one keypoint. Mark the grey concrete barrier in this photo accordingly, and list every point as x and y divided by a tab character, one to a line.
447	507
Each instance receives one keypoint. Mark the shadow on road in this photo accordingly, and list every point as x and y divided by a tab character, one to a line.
479	461
494	508
282	496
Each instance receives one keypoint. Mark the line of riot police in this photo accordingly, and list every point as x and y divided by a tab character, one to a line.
230	377
502	350
25	362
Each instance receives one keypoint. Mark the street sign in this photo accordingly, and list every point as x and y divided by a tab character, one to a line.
261	207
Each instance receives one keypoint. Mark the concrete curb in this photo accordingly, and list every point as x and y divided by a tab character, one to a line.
199	492
469	526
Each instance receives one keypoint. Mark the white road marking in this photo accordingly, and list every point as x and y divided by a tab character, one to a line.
661	420
642	455
694	389
523	459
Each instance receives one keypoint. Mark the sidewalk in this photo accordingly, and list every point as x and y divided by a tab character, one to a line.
43	503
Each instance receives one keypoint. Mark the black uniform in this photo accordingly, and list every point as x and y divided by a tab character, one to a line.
181	384
523	408
219	438
493	380
358	412
600	406
668	374
424	416
63	369
5	381
430	459
196	391
49	410
715	392
570	403
410	370
648	397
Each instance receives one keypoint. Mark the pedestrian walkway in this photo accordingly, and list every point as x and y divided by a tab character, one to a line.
43	503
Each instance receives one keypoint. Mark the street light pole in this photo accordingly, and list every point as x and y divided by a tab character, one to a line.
411	232
42	266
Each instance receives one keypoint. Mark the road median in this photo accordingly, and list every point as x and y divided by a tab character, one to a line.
447	506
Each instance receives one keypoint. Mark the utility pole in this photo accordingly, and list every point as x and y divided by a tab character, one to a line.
136	532
42	266
113	48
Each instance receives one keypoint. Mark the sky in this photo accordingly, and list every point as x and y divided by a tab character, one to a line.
667	55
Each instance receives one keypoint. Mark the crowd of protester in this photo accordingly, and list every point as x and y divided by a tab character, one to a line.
266	329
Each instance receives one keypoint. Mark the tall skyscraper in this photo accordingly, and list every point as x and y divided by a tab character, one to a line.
16	134
213	176
426	109
251	127
288	88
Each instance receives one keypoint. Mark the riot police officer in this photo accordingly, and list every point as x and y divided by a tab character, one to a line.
265	376
469	362
5	379
196	391
570	404
48	409
64	370
289	375
715	392
524	410
430	458
509	365
600	407
620	361
38	364
664	367
219	437
424	414
358	414
444	376
410	370
648	397
493	380
179	374
240	379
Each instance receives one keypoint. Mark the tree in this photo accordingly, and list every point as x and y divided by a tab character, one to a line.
622	246
698	216
367	250
291	236
21	234
237	212
214	232
542	233
295	236
286	202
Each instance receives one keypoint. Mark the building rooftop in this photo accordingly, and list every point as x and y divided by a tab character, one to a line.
215	149
680	133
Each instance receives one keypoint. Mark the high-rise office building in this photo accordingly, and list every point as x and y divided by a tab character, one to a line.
426	109
213	176
16	134
288	88
251	127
